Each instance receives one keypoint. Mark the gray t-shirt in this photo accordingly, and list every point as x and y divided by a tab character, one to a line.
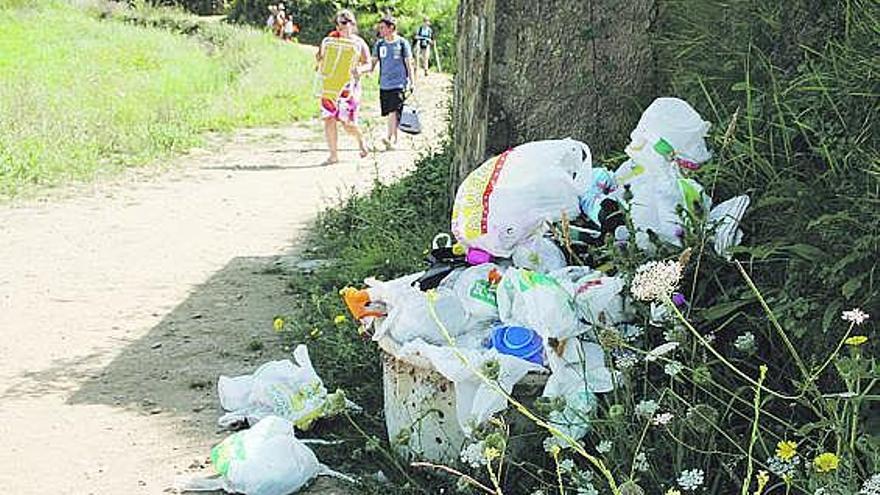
392	57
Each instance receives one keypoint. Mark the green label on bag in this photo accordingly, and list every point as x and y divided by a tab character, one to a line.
483	291
225	452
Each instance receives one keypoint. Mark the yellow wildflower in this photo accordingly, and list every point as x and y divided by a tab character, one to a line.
673	491
826	462
762	478
340	319
491	453
315	333
278	324
786	449
856	340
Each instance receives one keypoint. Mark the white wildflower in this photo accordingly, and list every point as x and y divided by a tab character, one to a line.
673	368
656	280
660	350
604	447
587	489
745	343
820	491
566	465
855	316
871	486
640	463
662	419
553	443
538	492
472	455
646	408
625	360
783	468
690	479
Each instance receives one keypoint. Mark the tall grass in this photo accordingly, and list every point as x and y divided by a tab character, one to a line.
88	96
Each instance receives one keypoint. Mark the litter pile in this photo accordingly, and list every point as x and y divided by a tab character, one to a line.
507	299
512	296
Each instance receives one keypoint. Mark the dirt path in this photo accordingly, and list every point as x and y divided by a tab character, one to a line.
121	303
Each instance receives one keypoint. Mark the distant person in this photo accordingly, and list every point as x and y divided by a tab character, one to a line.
280	19
394	56
270	22
345	108
424	41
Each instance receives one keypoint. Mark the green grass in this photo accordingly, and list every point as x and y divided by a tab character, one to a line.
90	96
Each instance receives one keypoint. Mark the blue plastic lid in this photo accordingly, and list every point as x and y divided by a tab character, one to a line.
521	342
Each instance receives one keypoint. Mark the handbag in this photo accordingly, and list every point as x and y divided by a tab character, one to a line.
409	119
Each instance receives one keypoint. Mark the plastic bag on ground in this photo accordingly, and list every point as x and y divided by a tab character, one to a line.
537	301
475	400
509	197
292	391
266	459
539	254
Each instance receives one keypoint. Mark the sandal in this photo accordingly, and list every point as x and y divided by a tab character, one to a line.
329	161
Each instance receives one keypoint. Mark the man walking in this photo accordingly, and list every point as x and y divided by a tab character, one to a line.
424	41
394	56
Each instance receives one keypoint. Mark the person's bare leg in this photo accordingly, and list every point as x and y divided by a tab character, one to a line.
355	131
332	136
392	130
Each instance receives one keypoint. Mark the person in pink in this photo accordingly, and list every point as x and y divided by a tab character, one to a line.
346	107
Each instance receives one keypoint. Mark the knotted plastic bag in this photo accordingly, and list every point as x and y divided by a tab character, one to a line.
292	391
510	196
266	459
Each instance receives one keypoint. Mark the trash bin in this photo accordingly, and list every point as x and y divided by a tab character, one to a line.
420	407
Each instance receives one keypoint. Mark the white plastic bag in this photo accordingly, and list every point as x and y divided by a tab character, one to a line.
539	254
266	459
475	400
476	291
537	301
409	317
509	197
291	391
577	375
724	219
596	295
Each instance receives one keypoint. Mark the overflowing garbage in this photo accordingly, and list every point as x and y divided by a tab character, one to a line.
514	295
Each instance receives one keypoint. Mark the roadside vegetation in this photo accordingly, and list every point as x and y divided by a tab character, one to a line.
94	95
795	127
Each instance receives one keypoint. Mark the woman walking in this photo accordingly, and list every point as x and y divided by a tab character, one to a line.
344	107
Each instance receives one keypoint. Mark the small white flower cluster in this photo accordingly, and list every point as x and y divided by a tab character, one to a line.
604	447
646	408
690	479
566	465
640	462
782	468
745	343
472	455
655	280
662	419
587	489
855	316
673	368
871	486
625	360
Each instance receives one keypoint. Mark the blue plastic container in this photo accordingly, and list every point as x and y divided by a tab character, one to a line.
521	342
